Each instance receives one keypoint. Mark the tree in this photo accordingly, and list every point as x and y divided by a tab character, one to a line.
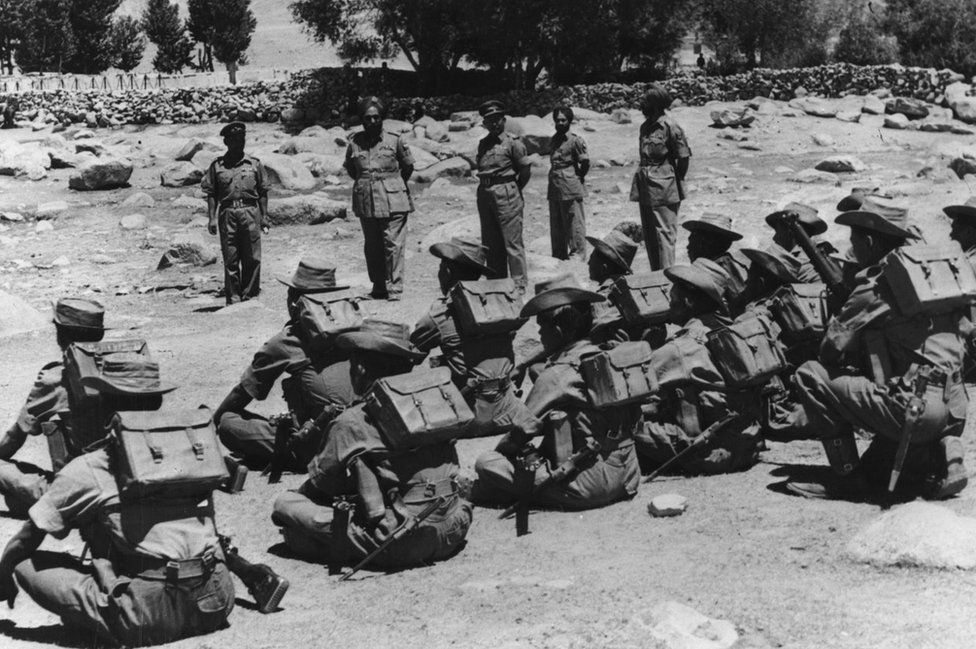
91	24
934	33
427	32
14	13
862	41
161	22
47	39
128	43
232	33
201	24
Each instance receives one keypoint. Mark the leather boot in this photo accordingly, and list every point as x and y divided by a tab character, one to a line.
951	477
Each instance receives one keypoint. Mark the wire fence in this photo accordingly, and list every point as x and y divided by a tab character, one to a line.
125	81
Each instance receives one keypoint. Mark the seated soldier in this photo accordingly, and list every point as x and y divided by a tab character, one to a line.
565	316
75	320
963	230
157	573
358	491
481	366
784	237
692	395
318	378
613	255
711	237
910	356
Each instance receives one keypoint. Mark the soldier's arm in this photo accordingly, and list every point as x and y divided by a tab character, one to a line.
582	157
262	189
235	401
405	159
207	185
520	160
350	164
11	442
21	547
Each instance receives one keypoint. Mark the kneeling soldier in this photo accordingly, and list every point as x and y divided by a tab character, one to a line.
565	316
359	491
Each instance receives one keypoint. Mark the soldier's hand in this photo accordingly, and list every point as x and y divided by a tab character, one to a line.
8	588
212	227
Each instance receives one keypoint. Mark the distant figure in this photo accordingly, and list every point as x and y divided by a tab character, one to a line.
567	172
417	111
10	113
701	61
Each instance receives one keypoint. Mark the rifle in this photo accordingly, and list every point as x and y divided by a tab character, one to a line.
914	411
561	474
829	271
704	438
400	532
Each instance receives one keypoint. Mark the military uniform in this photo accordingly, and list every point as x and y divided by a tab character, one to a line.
480	366
613	476
315	382
500	204
237	189
567	217
157	573
656	188
381	202
387	488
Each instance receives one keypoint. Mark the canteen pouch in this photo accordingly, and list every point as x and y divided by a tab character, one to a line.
800	310
486	307
930	278
620	375
644	298
747	352
323	316
85	359
420	408
168	452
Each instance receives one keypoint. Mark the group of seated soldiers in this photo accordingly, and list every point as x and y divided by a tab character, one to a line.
690	369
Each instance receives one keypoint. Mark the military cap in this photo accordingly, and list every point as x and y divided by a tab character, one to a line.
313	275
808	218
965	211
381	337
234	128
617	248
79	313
127	373
700	280
467	252
717	224
492	107
852	202
559	291
877	217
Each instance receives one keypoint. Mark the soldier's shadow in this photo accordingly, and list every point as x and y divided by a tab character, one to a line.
821	474
52	634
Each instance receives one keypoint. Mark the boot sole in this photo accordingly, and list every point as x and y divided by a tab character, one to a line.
271	604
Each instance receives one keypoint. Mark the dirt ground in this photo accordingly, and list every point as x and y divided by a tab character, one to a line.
771	564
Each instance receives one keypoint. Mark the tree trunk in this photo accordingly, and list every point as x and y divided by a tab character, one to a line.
232	72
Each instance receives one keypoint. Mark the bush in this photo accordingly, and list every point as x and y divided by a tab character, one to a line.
862	42
936	33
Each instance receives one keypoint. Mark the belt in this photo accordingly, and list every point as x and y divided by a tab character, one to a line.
482	385
489	181
240	202
174	570
418	492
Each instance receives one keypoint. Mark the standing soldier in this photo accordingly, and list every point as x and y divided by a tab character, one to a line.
237	208
657	185
380	164
569	164
503	171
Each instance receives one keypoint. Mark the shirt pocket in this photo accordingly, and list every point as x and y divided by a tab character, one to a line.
397	197
654	148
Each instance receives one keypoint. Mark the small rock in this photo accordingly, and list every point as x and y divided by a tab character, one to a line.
910	108
43	226
822	139
963	167
621	116
851	116
451	168
133	222
99	258
50	210
189	202
139	199
14	217
101	174
601	164
188	249
897	121
61	261
733	117
673	625
917	534
813	176
873	105
841	164
667	505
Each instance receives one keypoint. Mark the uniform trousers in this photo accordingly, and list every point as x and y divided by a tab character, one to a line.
128	611
500	210
240	244
384	243
567	228
660	224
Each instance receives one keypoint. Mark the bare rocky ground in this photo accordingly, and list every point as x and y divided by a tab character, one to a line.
773	565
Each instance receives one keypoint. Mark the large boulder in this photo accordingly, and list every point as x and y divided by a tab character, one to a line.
451	168
963	167
306	208
917	534
18	317
814	106
27	160
536	132
202	160
907	106
322	165
422	158
897	121
287	172
873	105
195	146
841	164
733	117
107	173
964	109
955	91
320	144
188	249
181	174
432	129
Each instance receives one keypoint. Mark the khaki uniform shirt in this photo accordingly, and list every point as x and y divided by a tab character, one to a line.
84	494
568	151
244	181
500	156
379	190
47	397
661	144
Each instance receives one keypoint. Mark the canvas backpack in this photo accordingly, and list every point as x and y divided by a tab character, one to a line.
323	316
747	352
643	299
486	307
800	310
620	375
930	278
